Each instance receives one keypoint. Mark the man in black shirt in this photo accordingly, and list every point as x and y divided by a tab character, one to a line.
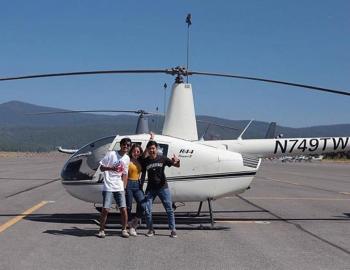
157	185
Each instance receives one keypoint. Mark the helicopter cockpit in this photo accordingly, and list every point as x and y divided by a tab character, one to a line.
85	162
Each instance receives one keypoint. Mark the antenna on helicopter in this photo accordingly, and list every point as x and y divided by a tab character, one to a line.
189	22
245	129
165	86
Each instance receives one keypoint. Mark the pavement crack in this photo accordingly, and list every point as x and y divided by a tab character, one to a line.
298	226
297	184
31	188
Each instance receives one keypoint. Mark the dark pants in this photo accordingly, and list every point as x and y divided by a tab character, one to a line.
133	191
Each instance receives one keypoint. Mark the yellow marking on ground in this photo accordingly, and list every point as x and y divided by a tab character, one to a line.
14	220
297	198
242	222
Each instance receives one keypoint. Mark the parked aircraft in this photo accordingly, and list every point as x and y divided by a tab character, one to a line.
209	169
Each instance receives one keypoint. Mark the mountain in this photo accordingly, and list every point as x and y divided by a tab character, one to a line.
21	131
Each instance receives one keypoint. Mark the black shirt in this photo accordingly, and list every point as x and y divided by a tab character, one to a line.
155	171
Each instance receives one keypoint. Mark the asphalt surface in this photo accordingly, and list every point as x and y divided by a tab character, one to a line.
295	216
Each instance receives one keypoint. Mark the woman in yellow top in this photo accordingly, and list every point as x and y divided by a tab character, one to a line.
133	188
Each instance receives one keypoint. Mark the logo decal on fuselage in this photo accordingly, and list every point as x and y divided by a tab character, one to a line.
186	153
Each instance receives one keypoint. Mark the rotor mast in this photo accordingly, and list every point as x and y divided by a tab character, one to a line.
142	123
180	118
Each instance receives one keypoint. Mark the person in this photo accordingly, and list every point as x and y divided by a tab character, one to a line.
133	188
115	168
157	185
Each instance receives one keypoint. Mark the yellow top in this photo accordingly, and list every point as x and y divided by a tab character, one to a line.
134	171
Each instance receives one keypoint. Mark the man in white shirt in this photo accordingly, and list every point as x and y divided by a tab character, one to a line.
115	167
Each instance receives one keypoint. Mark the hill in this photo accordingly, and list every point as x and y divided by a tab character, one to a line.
20	131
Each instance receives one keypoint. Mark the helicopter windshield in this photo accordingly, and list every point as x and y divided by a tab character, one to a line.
84	163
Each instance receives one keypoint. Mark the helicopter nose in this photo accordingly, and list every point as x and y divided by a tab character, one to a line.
85	162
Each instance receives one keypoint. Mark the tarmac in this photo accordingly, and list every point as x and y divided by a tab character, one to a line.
295	216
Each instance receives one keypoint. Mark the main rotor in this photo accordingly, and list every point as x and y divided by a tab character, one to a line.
179	72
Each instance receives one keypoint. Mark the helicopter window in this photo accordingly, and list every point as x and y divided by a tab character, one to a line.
84	163
163	149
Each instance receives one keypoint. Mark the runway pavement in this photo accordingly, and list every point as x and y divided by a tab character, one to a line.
295	216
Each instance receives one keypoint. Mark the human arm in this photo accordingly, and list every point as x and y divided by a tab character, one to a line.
175	161
145	153
143	173
105	168
125	179
151	136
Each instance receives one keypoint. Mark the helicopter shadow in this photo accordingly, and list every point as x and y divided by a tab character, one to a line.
184	221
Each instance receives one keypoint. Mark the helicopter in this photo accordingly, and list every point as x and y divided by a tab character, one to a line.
209	169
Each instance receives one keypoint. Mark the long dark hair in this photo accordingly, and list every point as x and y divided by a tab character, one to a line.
135	145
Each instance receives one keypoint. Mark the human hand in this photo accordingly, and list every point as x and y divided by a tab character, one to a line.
175	159
119	167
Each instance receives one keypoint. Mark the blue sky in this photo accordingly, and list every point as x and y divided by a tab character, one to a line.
299	41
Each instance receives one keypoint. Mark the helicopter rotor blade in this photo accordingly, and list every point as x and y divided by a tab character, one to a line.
80	73
334	91
179	71
91	111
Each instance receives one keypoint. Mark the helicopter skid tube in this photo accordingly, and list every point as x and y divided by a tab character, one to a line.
184	190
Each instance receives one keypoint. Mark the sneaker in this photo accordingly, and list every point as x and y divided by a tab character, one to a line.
150	233
173	234
132	232
125	234
101	234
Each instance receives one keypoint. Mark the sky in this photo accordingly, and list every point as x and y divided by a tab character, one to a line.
299	41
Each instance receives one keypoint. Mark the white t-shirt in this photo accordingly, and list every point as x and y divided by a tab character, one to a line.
113	179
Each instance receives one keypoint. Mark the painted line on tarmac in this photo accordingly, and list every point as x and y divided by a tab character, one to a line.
345	193
297	198
242	222
18	218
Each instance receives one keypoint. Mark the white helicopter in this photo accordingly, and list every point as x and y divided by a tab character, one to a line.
209	169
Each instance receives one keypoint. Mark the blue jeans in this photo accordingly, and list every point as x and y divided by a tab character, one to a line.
133	191
119	197
165	196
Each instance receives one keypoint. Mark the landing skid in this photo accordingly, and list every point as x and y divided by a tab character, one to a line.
212	221
184	221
